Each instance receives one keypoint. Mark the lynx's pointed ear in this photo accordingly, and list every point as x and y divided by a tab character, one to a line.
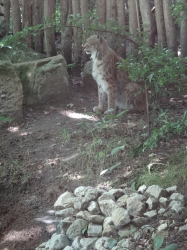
99	38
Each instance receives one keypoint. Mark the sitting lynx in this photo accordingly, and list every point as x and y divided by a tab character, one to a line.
111	82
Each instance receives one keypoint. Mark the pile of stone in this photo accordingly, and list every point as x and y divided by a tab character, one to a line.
95	219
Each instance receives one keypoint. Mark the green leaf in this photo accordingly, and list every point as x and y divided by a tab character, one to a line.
117	149
111	243
158	242
171	247
111	168
121	114
84	229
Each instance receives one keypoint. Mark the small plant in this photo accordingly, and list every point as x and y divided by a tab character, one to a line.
65	135
166	128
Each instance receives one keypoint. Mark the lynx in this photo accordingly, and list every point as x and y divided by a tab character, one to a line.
112	82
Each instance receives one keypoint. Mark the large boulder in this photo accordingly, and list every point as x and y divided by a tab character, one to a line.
87	78
44	81
11	93
18	52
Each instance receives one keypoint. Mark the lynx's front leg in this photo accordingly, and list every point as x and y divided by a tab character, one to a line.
111	99
102	100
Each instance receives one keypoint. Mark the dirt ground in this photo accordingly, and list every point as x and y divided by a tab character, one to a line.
43	160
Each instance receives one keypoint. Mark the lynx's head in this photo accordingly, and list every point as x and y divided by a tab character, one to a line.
95	46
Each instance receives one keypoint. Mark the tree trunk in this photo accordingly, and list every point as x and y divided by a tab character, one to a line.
5	18
183	33
66	33
77	35
111	14
37	9
133	17
147	20
101	10
84	11
161	31
49	32
133	21
121	22
111	10
16	16
27	20
170	26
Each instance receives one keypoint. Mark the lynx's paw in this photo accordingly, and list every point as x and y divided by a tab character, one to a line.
98	110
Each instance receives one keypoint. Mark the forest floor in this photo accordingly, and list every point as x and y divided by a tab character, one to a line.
54	151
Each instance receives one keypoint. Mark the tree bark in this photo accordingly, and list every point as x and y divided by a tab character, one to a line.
161	31
84	11
183	33
111	10
77	34
133	18
37	9
170	26
66	33
5	18
49	32
101	10
27	20
121	22
147	20
16	16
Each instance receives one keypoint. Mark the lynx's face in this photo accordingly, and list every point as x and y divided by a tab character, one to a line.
92	45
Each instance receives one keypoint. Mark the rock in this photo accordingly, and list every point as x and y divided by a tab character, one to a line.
11	94
85	215
142	189
112	222
151	214
172	189
65	212
152	203
163	201
154	191
91	194
81	191
106	196
87	243
162	227
183	228
63	225
176	206
122	201
135	207
116	192
139	221
66	200
76	243
107	207
93	207
80	203
109	231
177	197
120	217
68	248
101	242
94	230
44	81
126	244
76	228
129	191
57	242
87	78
